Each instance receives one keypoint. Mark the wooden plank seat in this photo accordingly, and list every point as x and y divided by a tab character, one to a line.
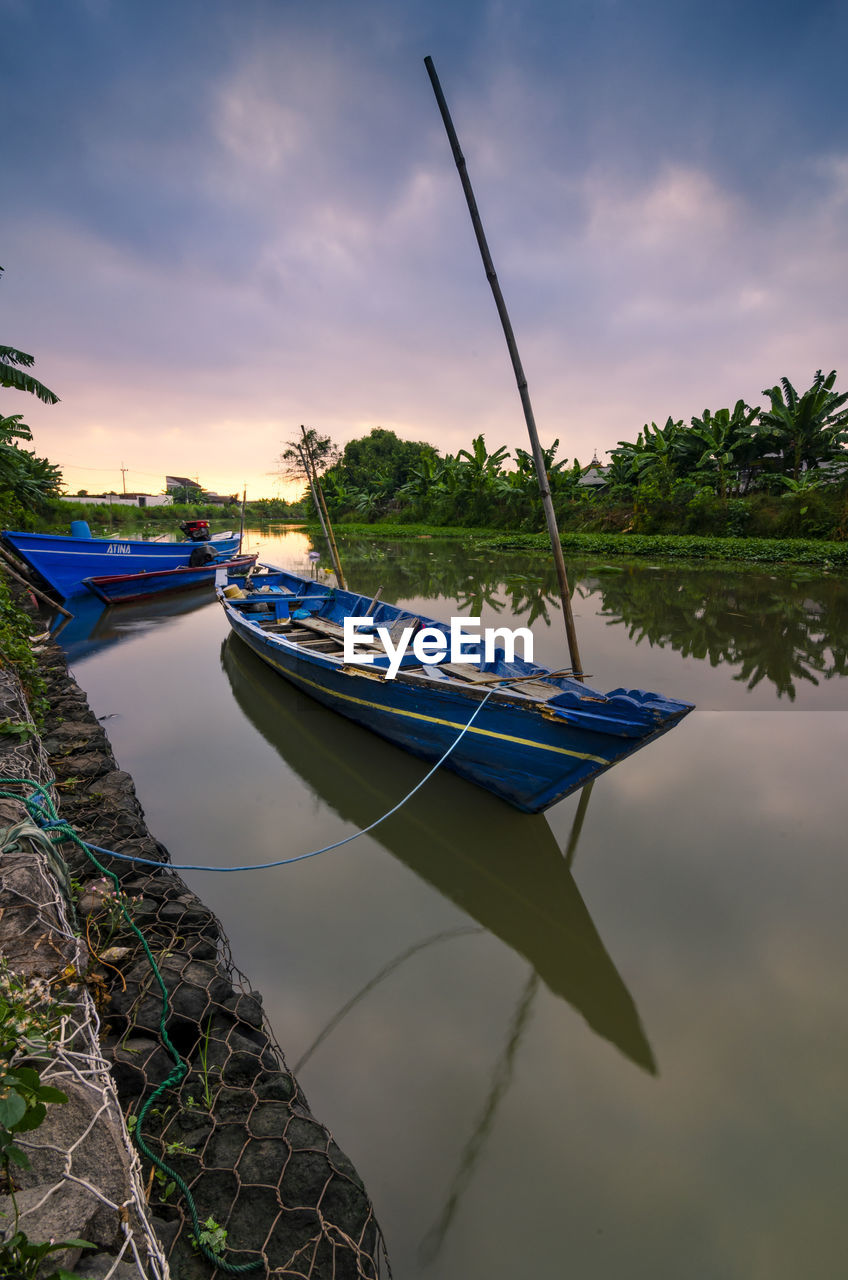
465	671
537	689
321	626
328	636
334	631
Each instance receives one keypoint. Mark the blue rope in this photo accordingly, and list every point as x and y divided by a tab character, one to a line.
281	862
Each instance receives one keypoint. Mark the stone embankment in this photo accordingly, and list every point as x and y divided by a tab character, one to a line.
273	1194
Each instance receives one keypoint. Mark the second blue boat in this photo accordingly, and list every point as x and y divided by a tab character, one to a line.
65	561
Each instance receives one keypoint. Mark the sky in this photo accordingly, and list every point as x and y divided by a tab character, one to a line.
223	219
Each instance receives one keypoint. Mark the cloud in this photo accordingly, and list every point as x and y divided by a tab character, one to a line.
274	230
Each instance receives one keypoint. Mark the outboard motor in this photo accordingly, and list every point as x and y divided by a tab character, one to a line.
195	530
205	553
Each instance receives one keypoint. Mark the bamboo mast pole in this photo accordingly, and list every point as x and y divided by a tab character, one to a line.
325	519
308	470
536	448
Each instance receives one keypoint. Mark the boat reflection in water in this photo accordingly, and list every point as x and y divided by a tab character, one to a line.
96	626
502	868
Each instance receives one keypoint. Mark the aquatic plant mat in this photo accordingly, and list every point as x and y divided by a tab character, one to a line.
273	1192
689	547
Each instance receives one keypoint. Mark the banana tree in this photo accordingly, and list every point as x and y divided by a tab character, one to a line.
805	429
13	366
337	495
29	480
798	492
480	476
660	450
721	439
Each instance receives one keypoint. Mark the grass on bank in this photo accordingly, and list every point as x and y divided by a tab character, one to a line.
16	631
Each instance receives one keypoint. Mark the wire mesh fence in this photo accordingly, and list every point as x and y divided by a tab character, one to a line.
237	1175
74	1175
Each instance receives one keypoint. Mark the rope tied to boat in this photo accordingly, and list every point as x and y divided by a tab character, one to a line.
45	819
37	803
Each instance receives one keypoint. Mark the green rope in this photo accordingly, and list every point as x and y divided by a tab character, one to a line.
37	805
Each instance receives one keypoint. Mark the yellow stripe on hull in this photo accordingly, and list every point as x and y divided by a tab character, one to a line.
418	715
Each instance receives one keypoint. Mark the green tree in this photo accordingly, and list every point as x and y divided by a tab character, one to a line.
621	476
722	440
13	366
382	453
656	453
807	429
323	452
481	478
422	478
186	494
26	482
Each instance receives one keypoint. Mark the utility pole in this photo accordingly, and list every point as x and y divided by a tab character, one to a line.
124	471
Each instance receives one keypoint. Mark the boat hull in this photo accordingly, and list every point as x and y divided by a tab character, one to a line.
123	587
527	753
65	562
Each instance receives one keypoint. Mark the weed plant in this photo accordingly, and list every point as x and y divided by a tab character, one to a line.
16	629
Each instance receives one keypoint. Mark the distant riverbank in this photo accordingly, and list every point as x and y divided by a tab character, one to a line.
666	546
693	547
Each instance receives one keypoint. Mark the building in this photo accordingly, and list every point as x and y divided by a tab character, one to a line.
185	489
120	499
595	475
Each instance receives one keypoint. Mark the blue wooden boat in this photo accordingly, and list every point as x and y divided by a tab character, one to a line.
120	587
65	561
539	736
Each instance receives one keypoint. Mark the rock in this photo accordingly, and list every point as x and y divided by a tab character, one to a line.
115	786
99	1265
99	1155
84	765
247	1007
58	1211
138	1063
194	988
166	1230
78	735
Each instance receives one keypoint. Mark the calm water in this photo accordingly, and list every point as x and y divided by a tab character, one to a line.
603	1052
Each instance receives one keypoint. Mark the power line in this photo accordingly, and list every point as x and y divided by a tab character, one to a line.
78	467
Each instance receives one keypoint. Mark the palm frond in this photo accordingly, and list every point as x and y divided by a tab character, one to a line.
789	392
14	428
11	355
11	376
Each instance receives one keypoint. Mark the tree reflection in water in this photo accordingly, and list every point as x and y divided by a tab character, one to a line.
429	569
782	629
778	629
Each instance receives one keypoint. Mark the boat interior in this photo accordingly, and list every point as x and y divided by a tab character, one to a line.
310	614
